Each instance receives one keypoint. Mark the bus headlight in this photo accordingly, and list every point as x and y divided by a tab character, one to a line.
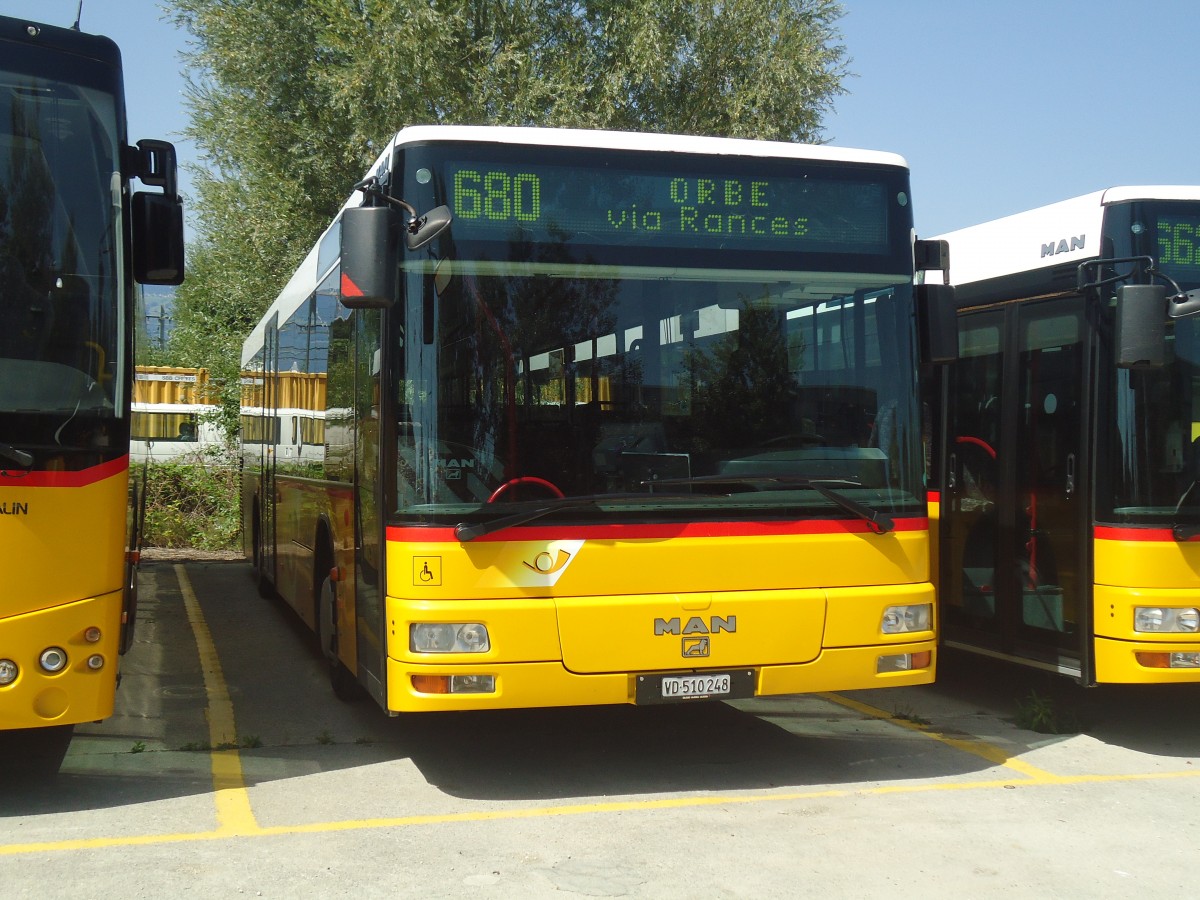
8	672
903	619
446	637
53	659
1166	619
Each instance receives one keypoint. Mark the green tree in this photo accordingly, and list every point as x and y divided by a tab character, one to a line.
292	99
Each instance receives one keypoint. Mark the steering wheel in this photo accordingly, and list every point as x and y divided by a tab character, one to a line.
524	479
978	442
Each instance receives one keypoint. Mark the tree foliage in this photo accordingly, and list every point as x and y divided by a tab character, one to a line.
292	99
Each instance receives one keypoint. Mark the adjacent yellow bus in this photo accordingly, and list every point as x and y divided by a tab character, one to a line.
73	240
1069	509
620	418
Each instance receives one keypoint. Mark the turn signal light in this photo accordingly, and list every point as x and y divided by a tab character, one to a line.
1187	660
903	662
454	684
431	684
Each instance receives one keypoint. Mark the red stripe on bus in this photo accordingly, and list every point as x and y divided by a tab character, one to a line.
933	497
1125	533
56	479
416	534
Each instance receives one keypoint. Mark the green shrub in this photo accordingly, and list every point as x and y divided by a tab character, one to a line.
193	502
1040	713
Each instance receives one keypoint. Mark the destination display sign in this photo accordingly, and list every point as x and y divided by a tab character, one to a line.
609	206
1179	244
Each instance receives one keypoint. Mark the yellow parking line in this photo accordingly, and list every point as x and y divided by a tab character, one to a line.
234	814
572	810
990	752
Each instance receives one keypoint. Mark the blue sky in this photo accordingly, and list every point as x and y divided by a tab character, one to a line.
1011	104
997	106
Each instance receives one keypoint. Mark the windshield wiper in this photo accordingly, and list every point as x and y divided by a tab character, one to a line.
878	522
1180	531
20	457
465	532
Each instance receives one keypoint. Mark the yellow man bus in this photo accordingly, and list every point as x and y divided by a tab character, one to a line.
1069	505
619	418
73	240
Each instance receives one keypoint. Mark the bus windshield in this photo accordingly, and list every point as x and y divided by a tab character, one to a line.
1153	463
60	309
732	358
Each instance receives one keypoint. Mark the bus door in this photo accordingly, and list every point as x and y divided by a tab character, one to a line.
269	433
369	613
1014	520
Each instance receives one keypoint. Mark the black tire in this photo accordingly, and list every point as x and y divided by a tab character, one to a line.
341	679
33	754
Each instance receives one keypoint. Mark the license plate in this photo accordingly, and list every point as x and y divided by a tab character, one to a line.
694	686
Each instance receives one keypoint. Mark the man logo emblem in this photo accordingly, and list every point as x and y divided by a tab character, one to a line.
695	647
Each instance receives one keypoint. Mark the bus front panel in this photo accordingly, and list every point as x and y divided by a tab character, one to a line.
535	601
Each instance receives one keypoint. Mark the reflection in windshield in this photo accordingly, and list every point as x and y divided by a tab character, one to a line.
59	350
1155	454
537	382
1150	463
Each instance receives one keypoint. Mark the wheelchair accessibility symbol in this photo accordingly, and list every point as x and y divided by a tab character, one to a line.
427	571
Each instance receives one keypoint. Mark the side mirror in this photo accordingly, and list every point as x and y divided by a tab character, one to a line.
157	218
368	279
423	230
1184	305
157	238
1141	327
157	166
937	323
929	255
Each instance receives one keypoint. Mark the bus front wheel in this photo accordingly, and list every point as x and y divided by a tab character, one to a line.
341	679
33	754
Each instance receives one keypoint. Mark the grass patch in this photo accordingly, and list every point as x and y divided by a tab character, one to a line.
1040	713
909	715
193	503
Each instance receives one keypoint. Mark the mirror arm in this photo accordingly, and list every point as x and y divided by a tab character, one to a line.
372	188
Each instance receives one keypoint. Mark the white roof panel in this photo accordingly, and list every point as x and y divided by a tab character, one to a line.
1063	232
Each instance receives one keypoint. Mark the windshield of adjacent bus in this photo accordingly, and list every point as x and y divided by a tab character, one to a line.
746	351
60	310
1149	471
